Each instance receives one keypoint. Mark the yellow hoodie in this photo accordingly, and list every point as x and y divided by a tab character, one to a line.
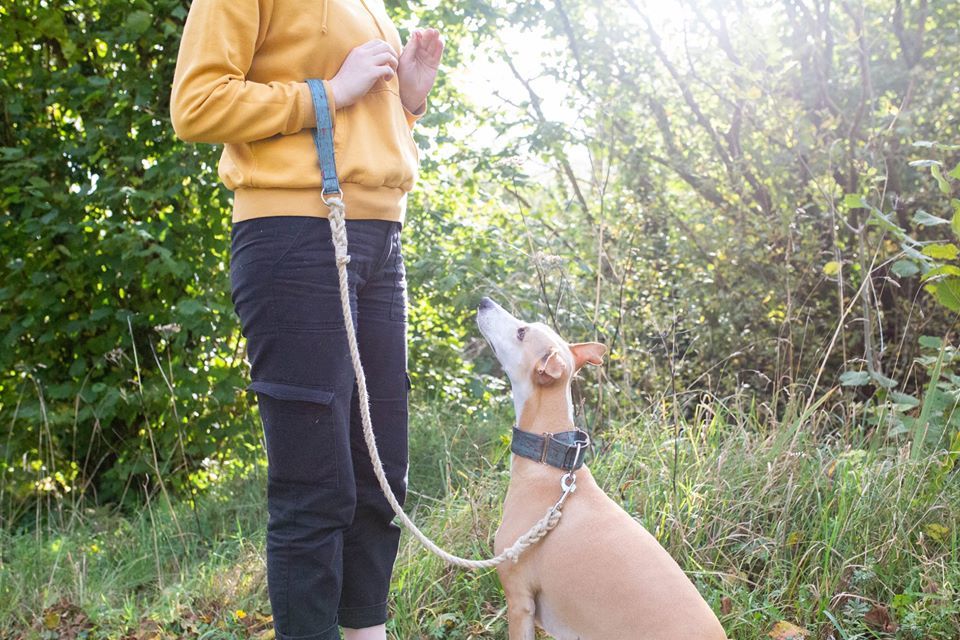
240	80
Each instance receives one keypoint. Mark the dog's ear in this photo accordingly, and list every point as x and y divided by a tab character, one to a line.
587	353
550	368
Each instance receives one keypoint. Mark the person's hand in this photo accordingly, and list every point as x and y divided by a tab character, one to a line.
418	65
363	66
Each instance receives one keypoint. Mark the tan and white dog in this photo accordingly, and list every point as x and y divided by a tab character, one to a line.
599	575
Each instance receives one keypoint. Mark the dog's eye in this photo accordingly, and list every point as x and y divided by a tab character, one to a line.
522	331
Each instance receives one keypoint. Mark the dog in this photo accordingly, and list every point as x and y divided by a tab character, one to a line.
598	575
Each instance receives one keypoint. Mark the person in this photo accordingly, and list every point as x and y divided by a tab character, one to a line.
240	81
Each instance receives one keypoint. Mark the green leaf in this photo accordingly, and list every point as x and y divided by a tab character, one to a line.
913	253
941	251
853	201
928	219
882	380
955	222
955	174
942	270
880	219
190	306
941	181
138	22
930	342
905	268
947	293
904	399
831	268
854	378
897	429
77	367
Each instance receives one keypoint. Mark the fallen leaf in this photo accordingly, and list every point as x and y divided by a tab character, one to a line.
51	620
929	586
726	605
879	619
784	630
66	619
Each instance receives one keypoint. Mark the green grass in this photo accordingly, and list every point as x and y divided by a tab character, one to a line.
773	519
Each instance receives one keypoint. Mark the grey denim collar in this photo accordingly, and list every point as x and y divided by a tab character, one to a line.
556	449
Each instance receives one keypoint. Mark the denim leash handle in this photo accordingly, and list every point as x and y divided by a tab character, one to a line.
338	229
323	137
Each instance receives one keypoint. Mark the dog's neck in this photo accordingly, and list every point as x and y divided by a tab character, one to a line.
541	409
544	408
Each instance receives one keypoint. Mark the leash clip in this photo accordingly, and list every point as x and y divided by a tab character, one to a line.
568	482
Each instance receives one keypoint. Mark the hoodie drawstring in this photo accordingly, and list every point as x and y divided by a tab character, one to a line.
323	21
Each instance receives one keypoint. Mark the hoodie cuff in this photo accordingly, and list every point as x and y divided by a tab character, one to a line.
413	117
306	105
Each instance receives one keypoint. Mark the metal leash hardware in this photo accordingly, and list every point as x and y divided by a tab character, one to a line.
323	138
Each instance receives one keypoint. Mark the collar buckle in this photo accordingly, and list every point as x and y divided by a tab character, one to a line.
547	437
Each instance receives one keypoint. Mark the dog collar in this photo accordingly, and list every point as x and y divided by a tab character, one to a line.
565	450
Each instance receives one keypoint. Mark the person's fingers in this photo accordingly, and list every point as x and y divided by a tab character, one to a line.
413	45
430	42
376	46
386	72
385	46
429	49
386	58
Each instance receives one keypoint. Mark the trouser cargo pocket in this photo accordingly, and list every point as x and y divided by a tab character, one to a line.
300	431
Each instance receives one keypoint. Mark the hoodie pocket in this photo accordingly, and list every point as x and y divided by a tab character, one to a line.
373	143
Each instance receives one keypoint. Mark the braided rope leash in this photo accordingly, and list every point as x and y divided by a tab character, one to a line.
338	228
536	532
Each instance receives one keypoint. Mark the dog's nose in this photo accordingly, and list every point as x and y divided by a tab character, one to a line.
485	303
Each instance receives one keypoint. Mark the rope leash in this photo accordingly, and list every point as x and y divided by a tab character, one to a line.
338	228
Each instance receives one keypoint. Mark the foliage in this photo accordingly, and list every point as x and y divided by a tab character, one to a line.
839	537
719	170
121	355
932	422
123	362
710	211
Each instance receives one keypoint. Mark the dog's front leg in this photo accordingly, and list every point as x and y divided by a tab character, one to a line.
520	617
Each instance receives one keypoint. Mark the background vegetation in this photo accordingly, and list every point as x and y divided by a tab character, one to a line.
753	203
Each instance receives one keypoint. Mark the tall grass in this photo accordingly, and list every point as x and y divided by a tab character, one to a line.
773	518
772	521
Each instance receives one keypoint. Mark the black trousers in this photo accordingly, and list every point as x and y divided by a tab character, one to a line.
331	542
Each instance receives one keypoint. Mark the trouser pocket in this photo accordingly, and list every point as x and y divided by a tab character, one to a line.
300	430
